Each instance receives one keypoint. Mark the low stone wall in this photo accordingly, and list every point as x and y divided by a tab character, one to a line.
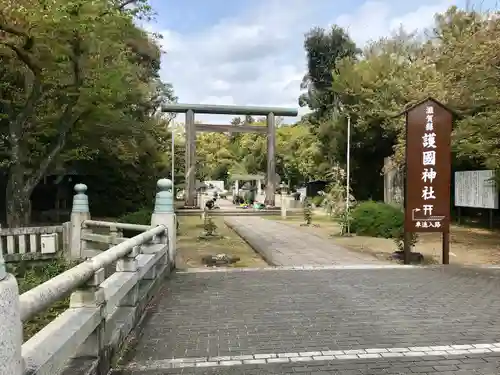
104	307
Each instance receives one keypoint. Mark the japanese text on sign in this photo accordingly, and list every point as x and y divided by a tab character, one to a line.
429	174
428	161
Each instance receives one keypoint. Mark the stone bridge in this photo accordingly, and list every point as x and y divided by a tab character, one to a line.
319	309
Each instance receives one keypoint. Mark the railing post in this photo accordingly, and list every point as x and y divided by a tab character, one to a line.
11	331
79	213
164	214
130	264
113	236
92	295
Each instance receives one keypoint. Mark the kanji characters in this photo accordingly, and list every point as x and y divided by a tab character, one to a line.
429	158
429	140
428	193
428	175
428	224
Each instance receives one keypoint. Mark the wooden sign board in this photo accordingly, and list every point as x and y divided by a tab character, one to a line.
428	168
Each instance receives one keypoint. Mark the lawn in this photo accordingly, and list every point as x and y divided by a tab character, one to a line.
32	274
468	246
191	249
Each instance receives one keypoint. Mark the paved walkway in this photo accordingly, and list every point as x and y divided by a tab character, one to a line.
341	320
283	245
343	313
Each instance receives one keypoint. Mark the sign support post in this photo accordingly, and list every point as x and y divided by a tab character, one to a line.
428	173
407	235
446	247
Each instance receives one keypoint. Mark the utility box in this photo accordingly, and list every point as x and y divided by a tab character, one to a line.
49	243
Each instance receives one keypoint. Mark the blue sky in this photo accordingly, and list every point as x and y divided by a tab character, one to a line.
250	52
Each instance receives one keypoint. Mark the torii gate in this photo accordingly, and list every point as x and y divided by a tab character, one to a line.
191	128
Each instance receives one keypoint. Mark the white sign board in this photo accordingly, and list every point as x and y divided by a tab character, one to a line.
476	189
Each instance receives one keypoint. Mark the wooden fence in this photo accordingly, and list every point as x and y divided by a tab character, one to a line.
33	243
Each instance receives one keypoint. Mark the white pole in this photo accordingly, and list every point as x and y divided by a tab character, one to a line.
348	172
173	163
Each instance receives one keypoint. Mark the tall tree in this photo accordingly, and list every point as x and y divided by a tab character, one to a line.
69	77
324	49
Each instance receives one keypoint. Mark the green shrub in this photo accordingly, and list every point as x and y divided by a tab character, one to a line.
143	217
377	219
317	200
30	274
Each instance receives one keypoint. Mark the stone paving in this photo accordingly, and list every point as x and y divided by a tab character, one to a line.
282	245
325	320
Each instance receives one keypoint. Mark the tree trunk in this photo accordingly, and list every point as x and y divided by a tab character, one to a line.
17	200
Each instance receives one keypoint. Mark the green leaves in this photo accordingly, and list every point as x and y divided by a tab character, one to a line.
81	81
325	49
457	62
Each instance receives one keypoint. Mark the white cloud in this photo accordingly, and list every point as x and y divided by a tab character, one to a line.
256	59
217	100
374	19
424	16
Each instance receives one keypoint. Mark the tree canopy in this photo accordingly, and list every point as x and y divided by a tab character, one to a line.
80	87
79	83
456	62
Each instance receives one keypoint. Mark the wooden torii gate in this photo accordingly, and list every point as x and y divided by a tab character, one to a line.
191	128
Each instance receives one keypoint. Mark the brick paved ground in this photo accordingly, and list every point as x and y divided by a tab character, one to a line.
205	315
455	365
282	245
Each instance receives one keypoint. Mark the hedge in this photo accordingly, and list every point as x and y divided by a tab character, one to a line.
377	219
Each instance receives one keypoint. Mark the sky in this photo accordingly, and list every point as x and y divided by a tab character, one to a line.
250	52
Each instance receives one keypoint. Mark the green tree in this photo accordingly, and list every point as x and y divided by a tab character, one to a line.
213	151
75	76
324	50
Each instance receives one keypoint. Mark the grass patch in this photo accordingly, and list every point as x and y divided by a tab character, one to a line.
191	249
32	274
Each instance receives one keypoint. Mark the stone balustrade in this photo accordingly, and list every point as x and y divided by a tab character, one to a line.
103	309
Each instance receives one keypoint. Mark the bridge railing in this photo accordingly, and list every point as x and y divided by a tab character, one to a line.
93	238
102	310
